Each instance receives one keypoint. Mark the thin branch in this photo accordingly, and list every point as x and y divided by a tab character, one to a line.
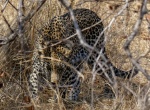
133	35
4	6
12	5
129	89
8	25
21	22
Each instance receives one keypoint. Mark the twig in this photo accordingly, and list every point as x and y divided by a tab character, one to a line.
131	91
4	6
12	5
21	22
8	25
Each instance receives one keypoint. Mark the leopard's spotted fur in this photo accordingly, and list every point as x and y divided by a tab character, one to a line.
70	51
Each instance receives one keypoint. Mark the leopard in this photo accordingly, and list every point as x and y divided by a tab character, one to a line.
58	49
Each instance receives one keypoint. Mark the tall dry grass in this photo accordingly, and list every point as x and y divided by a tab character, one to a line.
16	66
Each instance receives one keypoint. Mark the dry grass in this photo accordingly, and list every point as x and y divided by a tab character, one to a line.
11	95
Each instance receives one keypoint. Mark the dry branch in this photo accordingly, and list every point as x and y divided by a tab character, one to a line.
12	36
133	35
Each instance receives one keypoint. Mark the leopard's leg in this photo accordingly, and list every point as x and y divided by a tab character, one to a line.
44	75
66	80
70	81
39	67
75	90
39	77
76	59
34	77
